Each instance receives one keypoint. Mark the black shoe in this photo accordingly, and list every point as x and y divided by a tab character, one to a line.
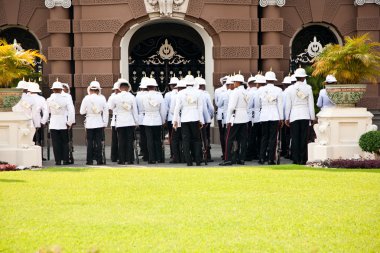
89	163
210	160
44	159
198	164
66	163
190	164
114	161
225	163
241	162
261	161
152	162
100	163
130	162
271	163
173	161
121	163
58	163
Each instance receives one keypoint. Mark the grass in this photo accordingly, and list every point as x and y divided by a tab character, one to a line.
239	209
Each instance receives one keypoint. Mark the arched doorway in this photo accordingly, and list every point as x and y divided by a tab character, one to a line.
309	42
164	50
127	43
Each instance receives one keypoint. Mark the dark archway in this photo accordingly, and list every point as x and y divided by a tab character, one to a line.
163	50
308	43
23	37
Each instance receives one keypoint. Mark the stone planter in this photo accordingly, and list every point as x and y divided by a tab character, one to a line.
9	98
345	95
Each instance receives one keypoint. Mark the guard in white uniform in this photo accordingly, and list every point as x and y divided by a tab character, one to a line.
154	118
95	108
219	114
271	117
114	140
323	100
208	115
177	133
40	115
66	93
62	116
125	107
285	131
189	106
140	108
169	117
299	114
237	119
251	90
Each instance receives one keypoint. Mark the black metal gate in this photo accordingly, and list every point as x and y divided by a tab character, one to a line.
163	57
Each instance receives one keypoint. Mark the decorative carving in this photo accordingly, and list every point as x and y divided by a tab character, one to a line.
166	52
166	7
93	53
52	3
138	8
313	50
322	130
368	24
255	52
105	79
221	25
195	8
362	2
58	25
59	53
65	78
255	25
279	3
95	25
272	24
272	52
241	52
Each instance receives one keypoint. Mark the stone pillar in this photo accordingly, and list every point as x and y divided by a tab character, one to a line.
338	132
272	49
16	140
59	54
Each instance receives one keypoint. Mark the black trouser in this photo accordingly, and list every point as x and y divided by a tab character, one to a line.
222	137
60	140
285	141
299	131
114	145
94	144
38	137
176	145
191	137
125	143
143	143
170	129
268	139
153	137
205	131
256	136
250	137
239	132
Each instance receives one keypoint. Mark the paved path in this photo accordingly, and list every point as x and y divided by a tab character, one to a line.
80	159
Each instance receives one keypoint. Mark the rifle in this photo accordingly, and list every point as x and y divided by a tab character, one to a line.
204	145
103	146
71	146
48	140
135	147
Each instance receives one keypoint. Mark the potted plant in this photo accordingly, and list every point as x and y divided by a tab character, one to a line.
357	61
15	63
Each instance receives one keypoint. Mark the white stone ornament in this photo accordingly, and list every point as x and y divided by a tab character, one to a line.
279	3
53	3
362	2
166	8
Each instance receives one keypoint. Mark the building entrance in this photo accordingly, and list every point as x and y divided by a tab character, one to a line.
165	50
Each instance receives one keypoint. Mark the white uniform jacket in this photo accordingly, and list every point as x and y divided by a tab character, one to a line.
223	105
270	102
167	99
109	103
238	105
154	109
42	114
96	110
299	103
323	100
140	107
176	117
217	95
208	108
125	108
62	113
251	104
189	105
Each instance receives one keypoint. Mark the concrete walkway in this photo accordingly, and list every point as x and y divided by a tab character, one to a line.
80	159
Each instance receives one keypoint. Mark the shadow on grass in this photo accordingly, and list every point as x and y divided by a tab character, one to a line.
336	170
59	169
2	180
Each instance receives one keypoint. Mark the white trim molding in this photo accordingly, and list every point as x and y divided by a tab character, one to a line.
53	3
279	3
362	2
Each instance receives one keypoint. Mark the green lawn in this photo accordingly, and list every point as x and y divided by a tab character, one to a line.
238	209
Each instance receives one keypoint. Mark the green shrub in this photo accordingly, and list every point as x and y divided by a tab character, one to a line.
370	142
